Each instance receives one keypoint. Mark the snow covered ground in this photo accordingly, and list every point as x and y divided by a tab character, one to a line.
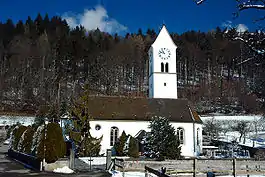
250	142
10	120
225	117
130	174
64	169
244	176
142	174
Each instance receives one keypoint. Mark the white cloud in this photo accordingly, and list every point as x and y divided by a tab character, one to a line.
239	28
95	18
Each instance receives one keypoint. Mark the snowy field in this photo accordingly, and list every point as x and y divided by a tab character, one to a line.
244	176
10	120
142	174
224	117
130	174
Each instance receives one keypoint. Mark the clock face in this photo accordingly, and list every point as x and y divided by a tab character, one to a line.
164	53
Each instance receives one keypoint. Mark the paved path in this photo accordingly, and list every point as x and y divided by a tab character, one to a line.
11	168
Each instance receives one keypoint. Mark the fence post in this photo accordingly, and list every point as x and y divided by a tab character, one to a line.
72	158
146	173
114	161
108	159
234	167
194	167
123	172
247	170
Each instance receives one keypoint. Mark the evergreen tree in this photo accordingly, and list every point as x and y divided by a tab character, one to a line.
119	145
80	134
163	139
55	146
133	150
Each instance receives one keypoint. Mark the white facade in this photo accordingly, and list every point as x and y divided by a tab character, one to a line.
162	67
192	142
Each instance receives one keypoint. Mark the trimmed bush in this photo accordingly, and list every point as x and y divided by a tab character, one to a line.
119	145
25	142
54	144
133	150
17	133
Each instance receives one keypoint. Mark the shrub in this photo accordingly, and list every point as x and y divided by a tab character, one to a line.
133	150
10	129
55	146
163	140
17	133
37	139
119	145
90	146
25	142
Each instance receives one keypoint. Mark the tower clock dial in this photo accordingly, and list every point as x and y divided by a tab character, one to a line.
164	53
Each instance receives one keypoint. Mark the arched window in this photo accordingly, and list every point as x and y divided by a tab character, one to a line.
162	67
167	67
114	132
180	135
198	141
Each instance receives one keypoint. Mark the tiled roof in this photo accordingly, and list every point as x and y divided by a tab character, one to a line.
141	109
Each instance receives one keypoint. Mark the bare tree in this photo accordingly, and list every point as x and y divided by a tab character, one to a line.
242	127
254	44
212	128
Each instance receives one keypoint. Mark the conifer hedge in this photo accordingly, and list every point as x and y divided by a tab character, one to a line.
133	150
17	133
26	140
54	144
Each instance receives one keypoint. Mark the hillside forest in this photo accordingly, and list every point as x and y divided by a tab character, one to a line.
44	62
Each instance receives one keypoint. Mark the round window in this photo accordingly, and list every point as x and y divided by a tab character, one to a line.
97	127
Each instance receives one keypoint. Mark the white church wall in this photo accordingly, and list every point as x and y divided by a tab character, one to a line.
130	127
199	145
169	90
133	127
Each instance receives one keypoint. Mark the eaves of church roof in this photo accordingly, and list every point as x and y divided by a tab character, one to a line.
140	109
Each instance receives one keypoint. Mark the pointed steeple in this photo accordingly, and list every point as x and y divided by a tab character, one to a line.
164	38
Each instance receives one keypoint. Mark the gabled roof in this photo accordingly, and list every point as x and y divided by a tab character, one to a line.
164	38
140	109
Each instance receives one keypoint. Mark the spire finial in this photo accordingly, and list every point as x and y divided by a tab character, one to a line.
163	23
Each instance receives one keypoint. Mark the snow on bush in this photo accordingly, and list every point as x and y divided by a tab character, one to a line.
37	139
20	143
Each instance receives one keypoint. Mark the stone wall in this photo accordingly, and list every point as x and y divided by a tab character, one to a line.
201	165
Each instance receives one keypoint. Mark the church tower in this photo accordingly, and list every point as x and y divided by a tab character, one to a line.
162	67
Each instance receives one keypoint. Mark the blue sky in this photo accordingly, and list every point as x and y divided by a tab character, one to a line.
128	15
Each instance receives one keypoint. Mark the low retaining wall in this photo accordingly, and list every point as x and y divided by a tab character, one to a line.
228	166
30	161
34	163
94	160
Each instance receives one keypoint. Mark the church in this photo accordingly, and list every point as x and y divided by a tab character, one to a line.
113	115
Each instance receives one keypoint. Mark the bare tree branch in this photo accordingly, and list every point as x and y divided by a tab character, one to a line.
250	6
258	51
198	2
243	4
